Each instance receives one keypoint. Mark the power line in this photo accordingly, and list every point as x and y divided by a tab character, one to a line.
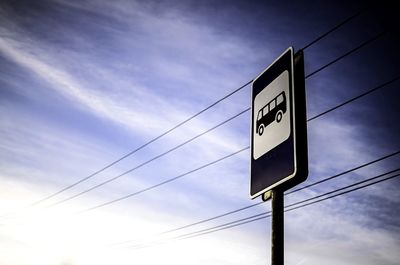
354	98
345	172
233	117
347	53
345	21
209	219
150	160
286	193
310	203
268	214
294	206
144	145
209	130
179	176
312	118
166	181
185	121
319	115
357	97
342	189
196	223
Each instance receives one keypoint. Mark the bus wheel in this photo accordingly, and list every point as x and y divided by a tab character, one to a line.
261	129
278	117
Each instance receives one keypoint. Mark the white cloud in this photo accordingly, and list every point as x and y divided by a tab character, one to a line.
328	236
99	103
131	103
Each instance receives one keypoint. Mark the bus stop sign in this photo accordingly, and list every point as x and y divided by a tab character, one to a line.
279	131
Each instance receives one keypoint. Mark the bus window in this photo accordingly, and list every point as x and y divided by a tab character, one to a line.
272	105
279	99
265	110
260	114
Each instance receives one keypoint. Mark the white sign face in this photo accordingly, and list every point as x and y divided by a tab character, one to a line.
271	116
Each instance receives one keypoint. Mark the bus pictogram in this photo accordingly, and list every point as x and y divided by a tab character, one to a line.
272	111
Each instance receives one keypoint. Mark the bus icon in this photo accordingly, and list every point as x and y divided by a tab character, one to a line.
271	115
272	111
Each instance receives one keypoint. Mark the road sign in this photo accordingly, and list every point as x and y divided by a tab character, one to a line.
279	131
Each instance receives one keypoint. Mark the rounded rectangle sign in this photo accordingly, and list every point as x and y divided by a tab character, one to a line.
278	126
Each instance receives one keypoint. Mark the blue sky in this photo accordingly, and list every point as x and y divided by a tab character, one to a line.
83	83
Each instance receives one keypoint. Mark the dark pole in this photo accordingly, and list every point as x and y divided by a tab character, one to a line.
277	253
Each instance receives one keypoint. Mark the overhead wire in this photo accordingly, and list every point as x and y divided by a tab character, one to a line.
365	43
224	122
293	206
334	28
210	106
286	193
288	207
150	160
164	182
385	84
143	145
344	172
207	131
319	115
345	21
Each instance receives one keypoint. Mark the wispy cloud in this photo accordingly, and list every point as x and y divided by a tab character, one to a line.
141	68
335	233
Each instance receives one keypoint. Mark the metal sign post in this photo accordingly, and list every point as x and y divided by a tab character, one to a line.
277	243
279	158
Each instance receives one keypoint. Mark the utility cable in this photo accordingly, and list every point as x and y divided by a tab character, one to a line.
294	206
143	145
286	193
347	20
317	116
186	120
209	130
166	181
150	160
307	204
355	98
344	172
365	43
